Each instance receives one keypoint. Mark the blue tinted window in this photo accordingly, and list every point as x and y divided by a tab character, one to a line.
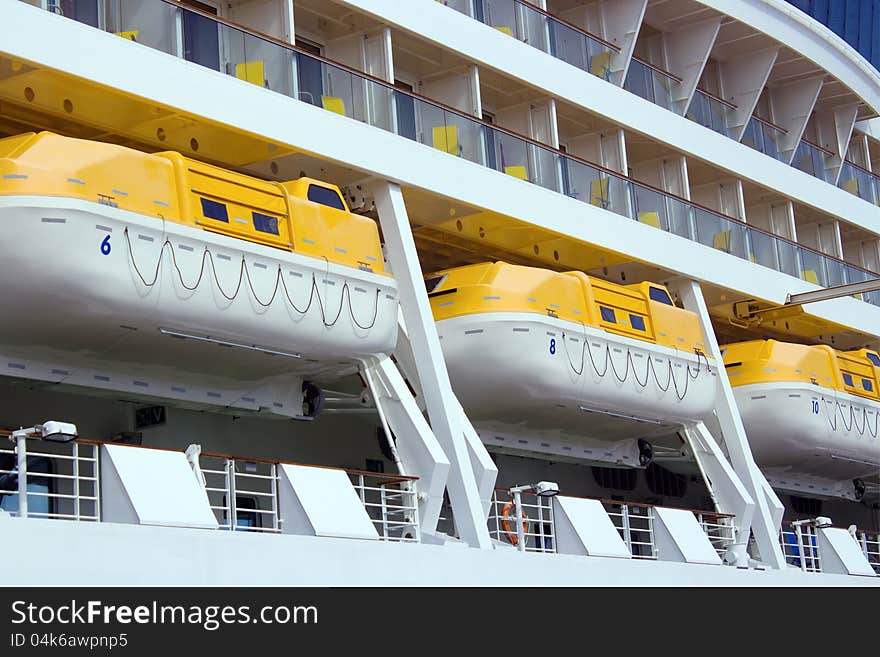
214	210
637	322
847	379
874	358
867	385
660	295
265	224
325	196
608	314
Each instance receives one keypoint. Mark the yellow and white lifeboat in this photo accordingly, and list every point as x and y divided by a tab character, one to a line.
808	410
567	364
110	254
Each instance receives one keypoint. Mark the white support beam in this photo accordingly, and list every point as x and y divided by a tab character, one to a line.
484	468
687	51
419	451
834	131
742	81
792	105
726	488
623	20
470	519
733	432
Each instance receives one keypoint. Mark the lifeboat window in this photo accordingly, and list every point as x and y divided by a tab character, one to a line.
874	358
847	379
608	314
214	210
637	322
867	385
265	224
325	196
660	295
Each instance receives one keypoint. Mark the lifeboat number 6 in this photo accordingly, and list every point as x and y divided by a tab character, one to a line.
105	246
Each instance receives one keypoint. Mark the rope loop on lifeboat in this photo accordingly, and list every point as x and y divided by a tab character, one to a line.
650	368
244	275
853	418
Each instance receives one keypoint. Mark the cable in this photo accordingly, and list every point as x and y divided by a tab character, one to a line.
690	373
244	275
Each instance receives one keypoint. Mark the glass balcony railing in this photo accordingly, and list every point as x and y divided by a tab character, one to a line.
711	112
592	54
764	137
337	88
813	160
547	33
650	83
859	182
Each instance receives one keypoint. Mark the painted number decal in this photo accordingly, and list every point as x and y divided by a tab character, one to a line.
105	246
552	346
815	407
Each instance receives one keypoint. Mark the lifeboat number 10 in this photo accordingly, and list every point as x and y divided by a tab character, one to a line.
814	406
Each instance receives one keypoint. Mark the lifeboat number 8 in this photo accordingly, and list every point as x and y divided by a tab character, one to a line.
552	346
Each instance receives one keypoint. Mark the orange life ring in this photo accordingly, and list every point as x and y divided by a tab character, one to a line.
507	520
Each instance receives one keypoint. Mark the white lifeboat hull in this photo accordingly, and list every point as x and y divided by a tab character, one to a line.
811	430
89	284
534	375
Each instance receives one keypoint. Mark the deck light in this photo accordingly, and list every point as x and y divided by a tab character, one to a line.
52	430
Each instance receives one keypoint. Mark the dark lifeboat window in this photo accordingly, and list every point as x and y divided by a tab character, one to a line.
265	223
325	196
608	314
660	295
874	358
637	322
214	210
847	379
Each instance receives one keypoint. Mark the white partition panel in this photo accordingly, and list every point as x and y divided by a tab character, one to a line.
841	554
583	527
321	502
152	487
679	537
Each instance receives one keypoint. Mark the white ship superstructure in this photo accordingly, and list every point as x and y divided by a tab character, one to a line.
217	362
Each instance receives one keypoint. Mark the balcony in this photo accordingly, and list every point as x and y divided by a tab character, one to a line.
592	54
287	69
549	34
814	160
859	182
651	83
711	112
764	136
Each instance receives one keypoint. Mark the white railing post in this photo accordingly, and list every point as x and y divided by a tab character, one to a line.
624	521
279	521
96	455
21	459
231	506
76	507
384	507
520	531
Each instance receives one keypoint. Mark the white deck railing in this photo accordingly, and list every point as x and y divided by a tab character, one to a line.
634	523
43	479
800	546
63	481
